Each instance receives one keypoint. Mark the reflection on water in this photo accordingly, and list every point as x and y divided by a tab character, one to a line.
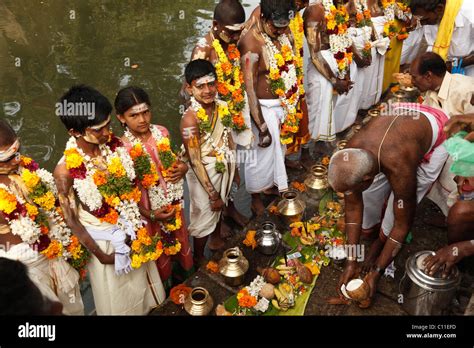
47	46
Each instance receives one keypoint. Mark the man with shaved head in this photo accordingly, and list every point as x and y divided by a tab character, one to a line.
396	157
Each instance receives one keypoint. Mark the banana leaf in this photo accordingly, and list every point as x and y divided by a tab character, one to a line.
327	197
300	302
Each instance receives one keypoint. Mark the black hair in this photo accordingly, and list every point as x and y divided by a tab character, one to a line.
7	134
428	5
78	118
430	61
197	69
18	294
272	9
128	97
228	12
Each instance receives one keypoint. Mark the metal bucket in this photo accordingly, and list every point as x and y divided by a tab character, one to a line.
424	294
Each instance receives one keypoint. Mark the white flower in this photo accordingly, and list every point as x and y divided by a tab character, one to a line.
127	162
48	179
26	229
88	192
256	285
262	305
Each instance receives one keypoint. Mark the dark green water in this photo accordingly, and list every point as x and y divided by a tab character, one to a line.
48	46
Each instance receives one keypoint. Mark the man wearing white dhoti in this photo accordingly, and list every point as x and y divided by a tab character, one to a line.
375	166
453	93
322	76
274	90
97	171
206	134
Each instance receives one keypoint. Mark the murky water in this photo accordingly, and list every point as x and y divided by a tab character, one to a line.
47	46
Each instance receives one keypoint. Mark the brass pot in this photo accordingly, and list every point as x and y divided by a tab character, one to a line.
373	113
199	302
399	96
412	93
291	207
233	266
316	182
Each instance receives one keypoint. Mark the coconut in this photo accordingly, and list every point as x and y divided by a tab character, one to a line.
304	273
358	290
270	274
267	291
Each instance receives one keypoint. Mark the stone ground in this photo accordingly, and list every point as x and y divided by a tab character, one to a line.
425	237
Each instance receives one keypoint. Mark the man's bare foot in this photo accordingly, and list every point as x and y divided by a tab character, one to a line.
293	164
235	215
372	255
271	192
225	231
257	206
215	241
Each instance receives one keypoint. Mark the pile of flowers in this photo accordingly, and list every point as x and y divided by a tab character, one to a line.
286	84
340	42
249	299
230	84
145	248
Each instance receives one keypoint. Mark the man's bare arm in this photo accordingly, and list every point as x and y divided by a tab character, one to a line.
191	140
67	201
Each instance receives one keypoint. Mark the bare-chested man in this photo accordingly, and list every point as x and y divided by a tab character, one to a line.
259	47
227	25
396	157
321	76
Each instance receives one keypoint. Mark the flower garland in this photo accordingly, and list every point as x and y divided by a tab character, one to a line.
285	84
109	192
223	113
41	222
364	21
340	42
159	198
230	84
395	9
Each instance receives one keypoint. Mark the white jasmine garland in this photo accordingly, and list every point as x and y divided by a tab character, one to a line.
48	179
256	285
262	305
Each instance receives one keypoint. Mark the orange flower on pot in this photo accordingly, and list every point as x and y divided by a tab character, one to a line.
179	293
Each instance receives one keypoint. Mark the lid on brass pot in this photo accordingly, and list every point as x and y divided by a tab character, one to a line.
415	270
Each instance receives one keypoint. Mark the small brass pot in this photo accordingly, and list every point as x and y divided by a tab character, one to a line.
233	266
291	207
316	182
199	302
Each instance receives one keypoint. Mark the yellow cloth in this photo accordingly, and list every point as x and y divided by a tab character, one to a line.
446	28
392	59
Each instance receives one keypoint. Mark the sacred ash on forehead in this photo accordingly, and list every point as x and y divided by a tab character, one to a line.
4	155
235	27
103	124
205	79
139	108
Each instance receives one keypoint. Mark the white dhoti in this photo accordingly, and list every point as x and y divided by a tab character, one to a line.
56	279
411	46
373	80
203	220
320	100
347	105
443	188
375	196
267	168
134	293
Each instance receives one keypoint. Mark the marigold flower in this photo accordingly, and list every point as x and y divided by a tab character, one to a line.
46	201
8	202
250	239
73	159
179	293
212	267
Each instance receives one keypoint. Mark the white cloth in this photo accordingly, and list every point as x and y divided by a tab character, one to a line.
347	105
321	100
373	80
462	41
56	279
133	293
268	167
375	196
411	46
203	220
